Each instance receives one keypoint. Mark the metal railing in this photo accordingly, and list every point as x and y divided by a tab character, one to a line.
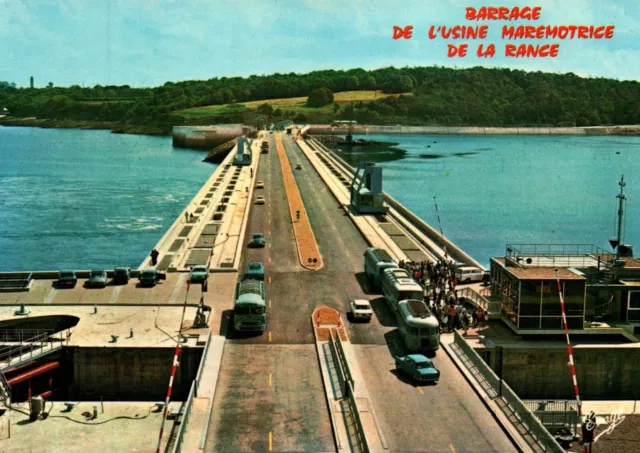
555	413
188	404
500	388
474	298
177	445
360	437
349	387
27	344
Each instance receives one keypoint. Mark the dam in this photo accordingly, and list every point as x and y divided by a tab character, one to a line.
102	358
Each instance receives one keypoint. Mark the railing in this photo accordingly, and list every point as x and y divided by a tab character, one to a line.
188	404
474	297
177	445
534	427
513	250
555	413
361	439
16	282
343	367
27	344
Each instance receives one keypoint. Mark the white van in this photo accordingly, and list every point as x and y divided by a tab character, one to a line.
467	274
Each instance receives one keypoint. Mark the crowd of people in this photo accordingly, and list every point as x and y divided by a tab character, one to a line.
438	282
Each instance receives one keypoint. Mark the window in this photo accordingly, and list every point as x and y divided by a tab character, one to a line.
633	314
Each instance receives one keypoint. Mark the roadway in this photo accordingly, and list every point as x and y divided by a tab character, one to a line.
270	394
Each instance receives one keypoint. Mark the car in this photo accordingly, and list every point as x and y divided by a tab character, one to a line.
255	270
260	185
121	275
199	273
149	277
257	240
259	199
67	279
486	278
265	150
468	274
98	278
298	166
418	367
361	310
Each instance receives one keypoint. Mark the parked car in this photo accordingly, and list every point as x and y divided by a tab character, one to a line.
468	274
98	278
198	274
418	367
298	166
259	185
67	279
149	277
257	240
486	278
259	199
121	275
361	310
255	270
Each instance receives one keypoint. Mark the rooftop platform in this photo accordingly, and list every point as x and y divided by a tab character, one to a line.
152	326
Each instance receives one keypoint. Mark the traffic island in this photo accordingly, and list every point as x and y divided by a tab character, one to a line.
308	250
353	418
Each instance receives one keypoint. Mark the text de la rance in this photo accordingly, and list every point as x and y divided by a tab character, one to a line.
526	29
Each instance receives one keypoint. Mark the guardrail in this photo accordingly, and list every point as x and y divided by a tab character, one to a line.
502	390
337	349
188	404
21	347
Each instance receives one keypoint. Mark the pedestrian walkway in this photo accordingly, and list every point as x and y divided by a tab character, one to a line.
308	250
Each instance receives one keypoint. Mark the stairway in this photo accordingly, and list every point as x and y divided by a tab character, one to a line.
5	391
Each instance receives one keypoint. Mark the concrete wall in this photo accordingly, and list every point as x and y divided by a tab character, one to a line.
603	373
136	374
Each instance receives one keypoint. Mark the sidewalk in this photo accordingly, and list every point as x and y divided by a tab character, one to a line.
505	417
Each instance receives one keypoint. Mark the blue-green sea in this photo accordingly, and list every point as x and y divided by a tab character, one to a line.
81	199
494	190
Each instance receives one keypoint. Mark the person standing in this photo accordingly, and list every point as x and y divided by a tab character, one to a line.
154	257
186	216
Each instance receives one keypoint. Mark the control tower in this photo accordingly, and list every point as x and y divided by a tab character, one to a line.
366	189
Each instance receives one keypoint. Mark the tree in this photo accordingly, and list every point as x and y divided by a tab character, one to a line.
50	85
265	109
300	118
320	97
336	107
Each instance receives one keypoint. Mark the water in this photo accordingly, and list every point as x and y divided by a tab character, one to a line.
89	199
494	190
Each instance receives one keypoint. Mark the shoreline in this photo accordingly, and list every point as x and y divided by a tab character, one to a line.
326	129
621	130
115	128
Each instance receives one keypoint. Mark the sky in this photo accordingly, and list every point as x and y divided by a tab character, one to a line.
148	42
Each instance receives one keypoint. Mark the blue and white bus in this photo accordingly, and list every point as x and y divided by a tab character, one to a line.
418	326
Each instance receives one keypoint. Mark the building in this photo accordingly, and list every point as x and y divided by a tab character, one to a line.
597	286
243	152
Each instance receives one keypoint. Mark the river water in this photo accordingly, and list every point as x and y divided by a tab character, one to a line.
494	190
81	199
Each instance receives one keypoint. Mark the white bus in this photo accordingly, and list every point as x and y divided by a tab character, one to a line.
418	326
375	262
398	285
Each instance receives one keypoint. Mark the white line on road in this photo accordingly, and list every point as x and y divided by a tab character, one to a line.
114	294
50	296
177	288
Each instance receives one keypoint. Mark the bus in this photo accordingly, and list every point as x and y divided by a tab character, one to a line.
343	123
249	311
418	327
375	262
398	285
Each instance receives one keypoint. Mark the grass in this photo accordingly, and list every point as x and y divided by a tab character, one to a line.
296	105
